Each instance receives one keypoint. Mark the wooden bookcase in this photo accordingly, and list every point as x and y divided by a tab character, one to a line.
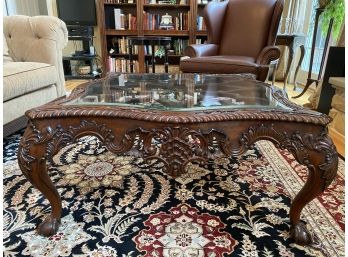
190	9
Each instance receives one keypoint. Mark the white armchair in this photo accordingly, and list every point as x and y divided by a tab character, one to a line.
33	70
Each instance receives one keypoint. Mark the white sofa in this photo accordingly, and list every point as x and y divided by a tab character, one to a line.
33	70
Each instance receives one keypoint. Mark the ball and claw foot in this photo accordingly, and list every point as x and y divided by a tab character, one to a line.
48	227
300	234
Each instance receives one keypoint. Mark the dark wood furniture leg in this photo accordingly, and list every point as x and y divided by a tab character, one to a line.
302	49
131	64
321	158
275	67
32	161
147	66
153	58
166	59
309	79
291	57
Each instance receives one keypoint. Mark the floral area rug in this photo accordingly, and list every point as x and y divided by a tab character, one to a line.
119	205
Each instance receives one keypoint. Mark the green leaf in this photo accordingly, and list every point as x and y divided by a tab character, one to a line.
334	9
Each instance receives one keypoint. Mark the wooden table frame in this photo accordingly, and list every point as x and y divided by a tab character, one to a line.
231	132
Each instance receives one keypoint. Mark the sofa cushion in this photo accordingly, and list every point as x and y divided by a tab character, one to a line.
6	55
24	77
219	64
17	107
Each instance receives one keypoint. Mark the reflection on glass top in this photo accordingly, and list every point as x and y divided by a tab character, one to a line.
179	92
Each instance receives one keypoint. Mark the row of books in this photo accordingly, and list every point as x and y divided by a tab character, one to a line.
200	23
207	1
166	2
124	21
185	2
200	41
119	45
121	65
148	49
178	45
119	1
153	21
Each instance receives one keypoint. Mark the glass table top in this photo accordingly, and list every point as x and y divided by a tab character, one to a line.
179	92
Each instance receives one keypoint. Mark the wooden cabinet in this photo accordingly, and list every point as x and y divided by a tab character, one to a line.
142	18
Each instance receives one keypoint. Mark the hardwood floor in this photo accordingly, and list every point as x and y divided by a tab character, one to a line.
71	84
289	89
338	141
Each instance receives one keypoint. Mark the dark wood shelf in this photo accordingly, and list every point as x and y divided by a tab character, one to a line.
201	33
139	9
122	4
79	38
167	6
169	55
120	32
172	59
135	56
88	76
79	57
173	33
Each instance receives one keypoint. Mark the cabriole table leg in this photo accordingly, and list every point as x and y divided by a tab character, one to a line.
32	162
320	156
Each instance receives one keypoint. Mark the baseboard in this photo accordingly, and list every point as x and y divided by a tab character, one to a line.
14	126
338	140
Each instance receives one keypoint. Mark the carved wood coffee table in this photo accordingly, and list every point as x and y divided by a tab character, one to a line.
178	119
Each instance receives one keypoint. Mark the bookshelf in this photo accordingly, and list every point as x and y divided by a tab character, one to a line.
142	18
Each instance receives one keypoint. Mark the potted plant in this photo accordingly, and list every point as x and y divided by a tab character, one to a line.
332	9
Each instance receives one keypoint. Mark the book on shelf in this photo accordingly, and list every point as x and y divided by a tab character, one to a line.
119	1
200	23
179	45
181	21
124	21
119	45
117	17
200	41
152	21
121	65
159	2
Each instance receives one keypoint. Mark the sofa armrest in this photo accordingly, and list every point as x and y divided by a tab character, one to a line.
37	39
201	50
268	54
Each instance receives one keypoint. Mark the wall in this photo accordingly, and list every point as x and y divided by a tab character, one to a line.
26	7
300	11
43	7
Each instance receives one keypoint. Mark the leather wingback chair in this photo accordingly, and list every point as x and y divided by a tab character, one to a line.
241	37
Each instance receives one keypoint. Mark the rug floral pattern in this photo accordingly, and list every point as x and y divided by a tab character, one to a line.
119	205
